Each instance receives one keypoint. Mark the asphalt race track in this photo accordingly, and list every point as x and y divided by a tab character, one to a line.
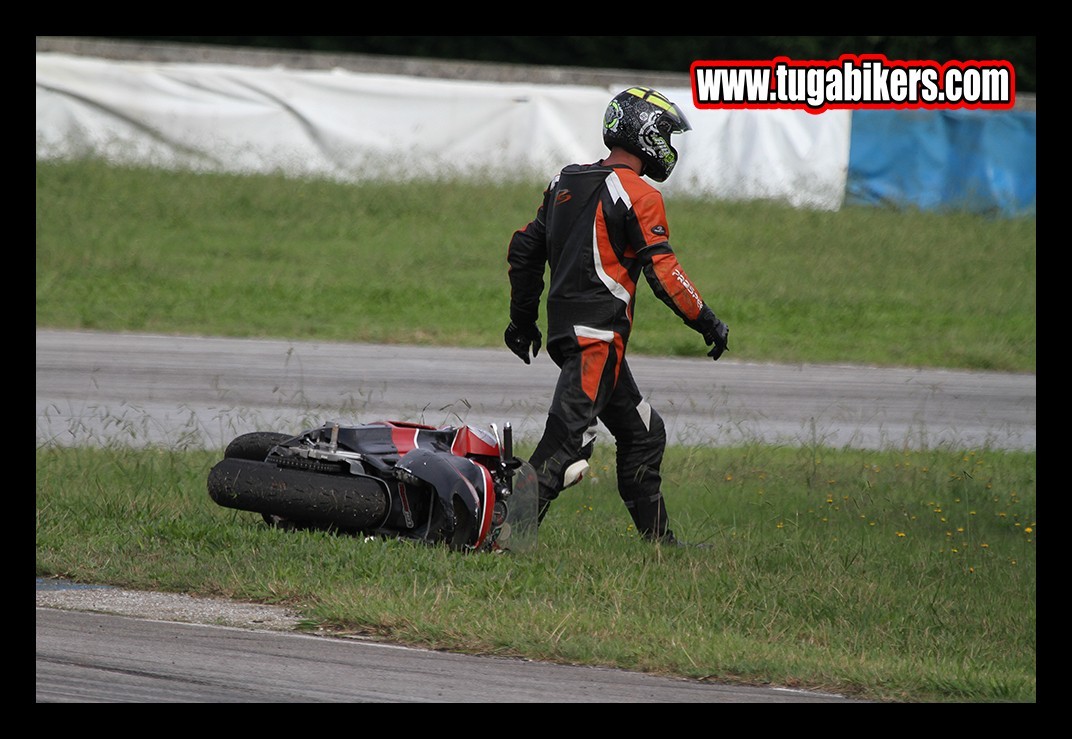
100	388
187	391
98	658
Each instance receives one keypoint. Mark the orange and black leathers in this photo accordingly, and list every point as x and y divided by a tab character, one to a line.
597	229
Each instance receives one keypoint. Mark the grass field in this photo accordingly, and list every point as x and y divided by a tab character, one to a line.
130	250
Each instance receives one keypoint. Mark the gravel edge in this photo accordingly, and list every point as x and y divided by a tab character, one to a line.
167	607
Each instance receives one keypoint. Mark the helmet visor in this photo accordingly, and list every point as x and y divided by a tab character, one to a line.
676	118
673	119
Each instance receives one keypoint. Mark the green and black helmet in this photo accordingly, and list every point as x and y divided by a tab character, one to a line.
640	120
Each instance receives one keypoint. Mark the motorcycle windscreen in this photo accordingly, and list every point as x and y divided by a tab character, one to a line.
518	534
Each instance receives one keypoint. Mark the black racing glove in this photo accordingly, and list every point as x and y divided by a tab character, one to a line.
719	339
715	333
521	340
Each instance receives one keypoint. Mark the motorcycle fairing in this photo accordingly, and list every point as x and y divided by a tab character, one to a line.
454	477
473	441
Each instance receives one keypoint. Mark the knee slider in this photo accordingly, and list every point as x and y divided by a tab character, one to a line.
574	473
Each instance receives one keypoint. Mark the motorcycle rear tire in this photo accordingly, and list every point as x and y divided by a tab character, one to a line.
345	502
255	445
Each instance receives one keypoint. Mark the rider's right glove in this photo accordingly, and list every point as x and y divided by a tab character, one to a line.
521	340
715	333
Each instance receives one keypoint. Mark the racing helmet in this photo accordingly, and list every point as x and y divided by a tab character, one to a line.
640	120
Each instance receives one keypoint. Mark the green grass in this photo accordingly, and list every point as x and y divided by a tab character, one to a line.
175	252
889	575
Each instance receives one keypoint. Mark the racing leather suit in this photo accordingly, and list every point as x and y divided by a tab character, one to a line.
597	229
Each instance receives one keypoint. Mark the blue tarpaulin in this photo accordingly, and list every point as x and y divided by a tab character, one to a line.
975	160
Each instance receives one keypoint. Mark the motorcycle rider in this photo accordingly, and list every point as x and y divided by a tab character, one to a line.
599	227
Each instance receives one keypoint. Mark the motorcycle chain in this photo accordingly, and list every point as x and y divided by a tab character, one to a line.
310	465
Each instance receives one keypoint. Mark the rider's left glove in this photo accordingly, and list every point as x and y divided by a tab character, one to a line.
521	340
716	333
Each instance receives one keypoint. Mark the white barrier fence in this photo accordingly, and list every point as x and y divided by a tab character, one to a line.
349	126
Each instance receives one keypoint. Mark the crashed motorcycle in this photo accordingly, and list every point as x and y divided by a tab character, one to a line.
459	486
